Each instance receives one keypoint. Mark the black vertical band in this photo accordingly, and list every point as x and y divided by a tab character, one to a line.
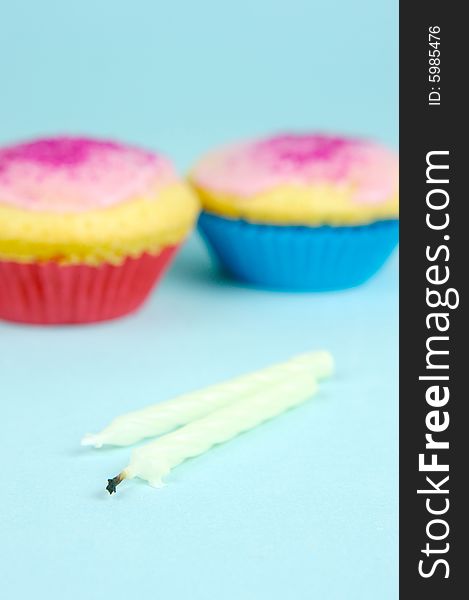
434	251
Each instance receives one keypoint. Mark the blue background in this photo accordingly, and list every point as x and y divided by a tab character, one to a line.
304	506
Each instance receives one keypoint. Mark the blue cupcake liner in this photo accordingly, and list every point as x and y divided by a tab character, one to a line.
297	258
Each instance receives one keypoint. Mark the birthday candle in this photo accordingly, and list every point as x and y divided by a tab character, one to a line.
166	416
154	460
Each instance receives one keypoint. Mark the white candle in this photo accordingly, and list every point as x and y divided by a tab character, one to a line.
166	416
153	461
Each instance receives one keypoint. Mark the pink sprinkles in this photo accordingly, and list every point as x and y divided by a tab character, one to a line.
61	151
68	174
246	169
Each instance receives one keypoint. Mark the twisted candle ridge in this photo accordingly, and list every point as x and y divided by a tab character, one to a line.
154	460
166	416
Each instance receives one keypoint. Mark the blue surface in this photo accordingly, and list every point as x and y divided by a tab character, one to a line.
297	259
303	507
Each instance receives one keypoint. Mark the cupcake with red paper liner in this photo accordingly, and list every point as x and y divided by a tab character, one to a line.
301	211
87	227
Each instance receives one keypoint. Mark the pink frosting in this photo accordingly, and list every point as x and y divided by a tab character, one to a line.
253	167
72	174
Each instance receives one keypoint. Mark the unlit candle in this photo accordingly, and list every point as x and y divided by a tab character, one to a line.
166	416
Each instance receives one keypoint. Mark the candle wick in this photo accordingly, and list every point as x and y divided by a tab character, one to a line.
113	483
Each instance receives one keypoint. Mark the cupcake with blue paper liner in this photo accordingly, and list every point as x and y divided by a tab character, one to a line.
300	212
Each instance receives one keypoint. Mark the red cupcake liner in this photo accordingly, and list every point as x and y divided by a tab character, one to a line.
53	294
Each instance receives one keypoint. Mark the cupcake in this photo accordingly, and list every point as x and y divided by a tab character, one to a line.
300	212
86	228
